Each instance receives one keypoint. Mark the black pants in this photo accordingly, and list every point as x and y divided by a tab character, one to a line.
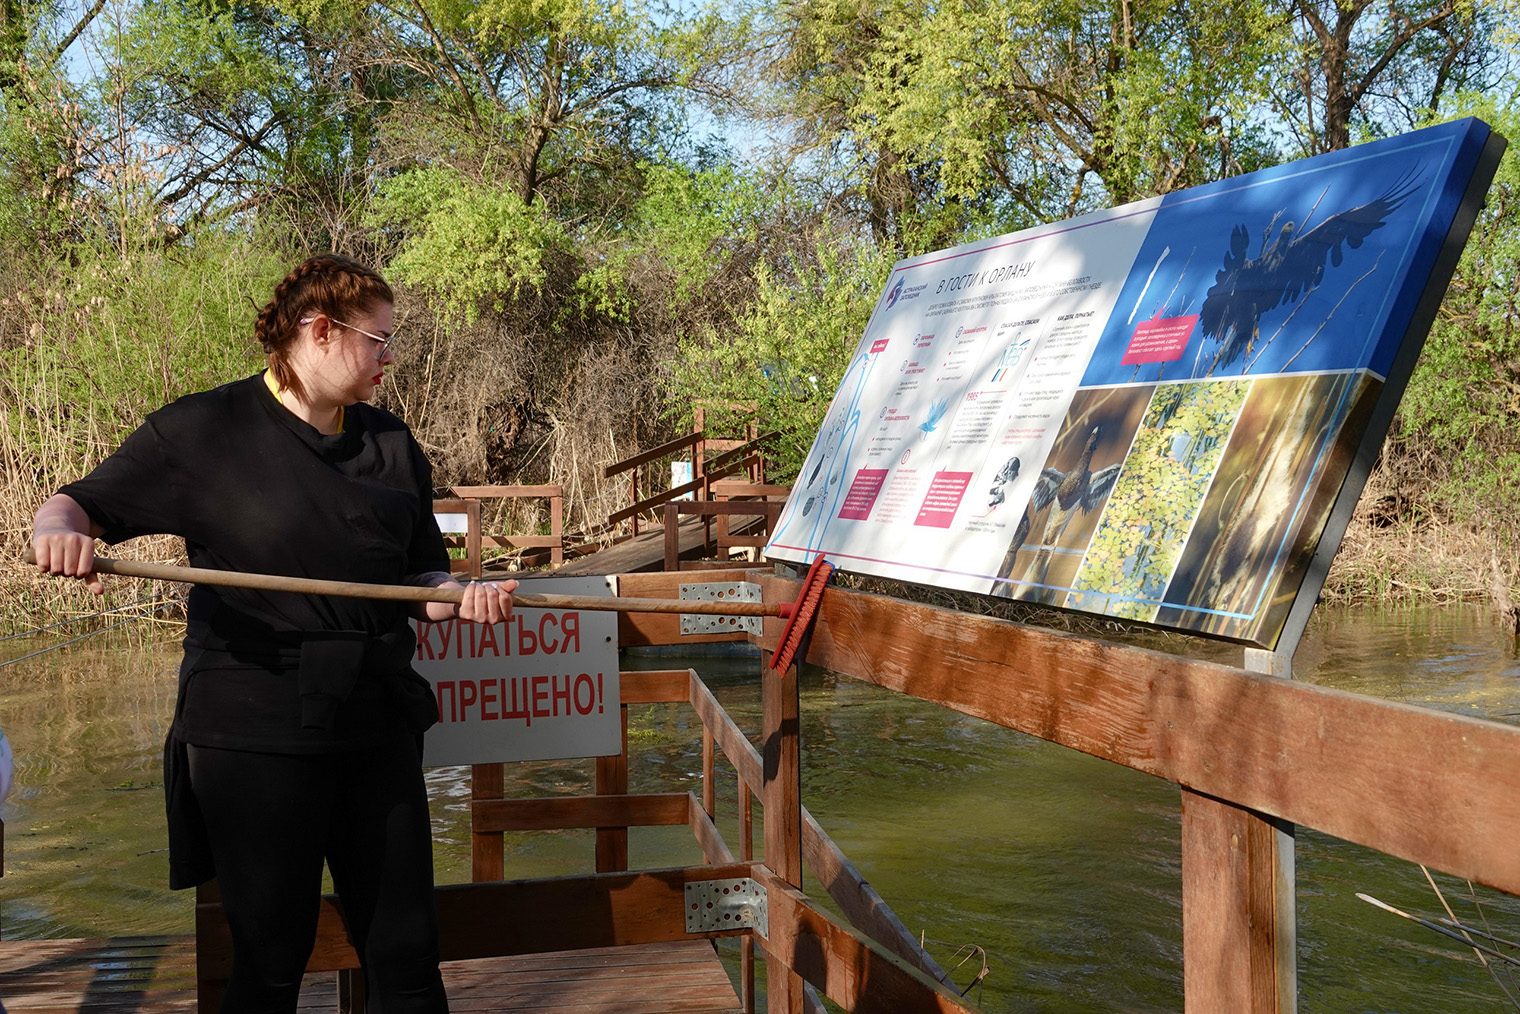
273	819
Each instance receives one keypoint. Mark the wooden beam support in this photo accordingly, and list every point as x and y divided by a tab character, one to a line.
852	971
781	789
665	628
602	910
654	686
491	492
714	848
644	457
1237	935
1423	785
612	780
555	813
487	857
741	753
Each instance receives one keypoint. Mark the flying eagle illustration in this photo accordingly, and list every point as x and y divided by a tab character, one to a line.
1078	488
1285	271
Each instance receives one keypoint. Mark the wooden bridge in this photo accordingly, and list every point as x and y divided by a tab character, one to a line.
1253	753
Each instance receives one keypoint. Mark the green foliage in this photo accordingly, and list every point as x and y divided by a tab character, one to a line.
468	243
97	344
789	350
1151	509
686	231
1462	406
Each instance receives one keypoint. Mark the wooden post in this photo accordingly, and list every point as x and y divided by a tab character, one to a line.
747	942
1239	928
709	769
672	536
557	529
782	794
487	859
472	552
612	780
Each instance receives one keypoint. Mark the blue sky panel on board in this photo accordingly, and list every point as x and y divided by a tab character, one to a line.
1146	412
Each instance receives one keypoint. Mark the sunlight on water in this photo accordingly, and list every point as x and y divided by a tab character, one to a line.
1063	869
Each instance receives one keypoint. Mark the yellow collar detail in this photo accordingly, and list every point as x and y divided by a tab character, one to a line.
279	394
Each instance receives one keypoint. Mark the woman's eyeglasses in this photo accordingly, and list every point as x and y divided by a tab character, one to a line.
385	342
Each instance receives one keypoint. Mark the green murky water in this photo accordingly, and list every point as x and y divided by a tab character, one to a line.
1063	870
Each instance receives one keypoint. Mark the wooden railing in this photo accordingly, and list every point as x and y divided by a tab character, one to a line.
723	512
733	458
1254	755
466	500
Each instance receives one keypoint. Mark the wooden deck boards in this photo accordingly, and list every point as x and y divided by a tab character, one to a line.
156	975
645	551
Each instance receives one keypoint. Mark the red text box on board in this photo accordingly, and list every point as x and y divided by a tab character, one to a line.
943	499
862	495
1160	340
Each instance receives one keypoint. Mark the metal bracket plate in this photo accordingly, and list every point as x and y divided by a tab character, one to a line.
715	591
726	904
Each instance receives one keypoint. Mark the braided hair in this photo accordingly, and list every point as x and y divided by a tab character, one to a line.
327	283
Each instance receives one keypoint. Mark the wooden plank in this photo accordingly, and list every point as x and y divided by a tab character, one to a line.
522	541
106	976
555	813
673	536
644	552
665	628
557	528
1231	928
1423	785
644	457
732	508
639	506
709	781
601	910
654	686
492	492
746	853
751	489
714	848
740	450
861	977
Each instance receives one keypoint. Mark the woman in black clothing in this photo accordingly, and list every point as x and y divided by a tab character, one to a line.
297	727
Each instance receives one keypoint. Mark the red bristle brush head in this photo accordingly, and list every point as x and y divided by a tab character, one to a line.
800	613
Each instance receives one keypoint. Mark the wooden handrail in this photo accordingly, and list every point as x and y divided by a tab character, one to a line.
718	461
644	457
654	501
489	492
475	540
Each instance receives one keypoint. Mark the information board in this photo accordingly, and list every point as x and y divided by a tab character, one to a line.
542	685
1150	412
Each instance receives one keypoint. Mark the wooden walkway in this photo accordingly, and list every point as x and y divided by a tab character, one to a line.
643	552
156	975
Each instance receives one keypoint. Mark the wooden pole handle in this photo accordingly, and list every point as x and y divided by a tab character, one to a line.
415	593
